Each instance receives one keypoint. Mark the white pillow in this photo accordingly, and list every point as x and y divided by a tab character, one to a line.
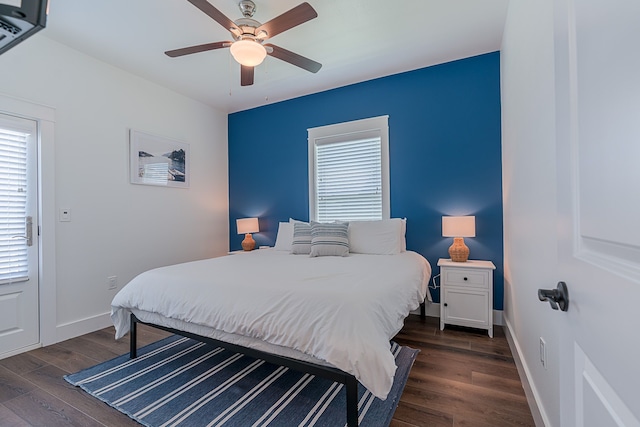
382	237
284	237
329	239
301	243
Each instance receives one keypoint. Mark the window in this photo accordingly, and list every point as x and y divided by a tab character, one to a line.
349	171
13	198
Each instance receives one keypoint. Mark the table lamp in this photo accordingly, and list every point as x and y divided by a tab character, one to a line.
459	227
247	226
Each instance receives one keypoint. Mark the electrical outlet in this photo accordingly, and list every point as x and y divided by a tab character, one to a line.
65	215
543	353
112	282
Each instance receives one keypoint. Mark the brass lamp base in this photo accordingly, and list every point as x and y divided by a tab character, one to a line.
248	244
459	252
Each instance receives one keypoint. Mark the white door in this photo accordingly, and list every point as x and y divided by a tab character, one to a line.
19	323
598	140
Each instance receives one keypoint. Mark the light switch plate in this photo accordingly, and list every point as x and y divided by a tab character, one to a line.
65	215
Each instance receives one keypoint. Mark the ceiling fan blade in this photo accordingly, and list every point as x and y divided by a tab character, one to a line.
294	58
195	49
296	16
246	75
214	13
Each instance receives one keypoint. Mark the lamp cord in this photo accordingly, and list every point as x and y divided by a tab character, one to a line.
433	280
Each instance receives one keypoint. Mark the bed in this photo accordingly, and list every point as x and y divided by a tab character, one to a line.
330	314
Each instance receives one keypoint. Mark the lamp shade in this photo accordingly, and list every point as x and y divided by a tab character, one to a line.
459	226
247	225
248	52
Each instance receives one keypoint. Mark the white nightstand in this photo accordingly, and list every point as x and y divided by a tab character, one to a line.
466	294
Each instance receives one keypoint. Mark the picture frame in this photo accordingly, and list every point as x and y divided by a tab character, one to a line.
158	161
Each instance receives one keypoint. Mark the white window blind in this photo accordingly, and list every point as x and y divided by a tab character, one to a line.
349	171
349	180
13	205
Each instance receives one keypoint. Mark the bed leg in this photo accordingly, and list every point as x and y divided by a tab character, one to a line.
133	338
352	401
423	313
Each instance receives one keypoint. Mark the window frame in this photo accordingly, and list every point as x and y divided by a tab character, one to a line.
350	131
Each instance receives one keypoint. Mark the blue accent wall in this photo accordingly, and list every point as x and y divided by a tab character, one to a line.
444	154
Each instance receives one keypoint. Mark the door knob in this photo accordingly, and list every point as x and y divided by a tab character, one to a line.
558	297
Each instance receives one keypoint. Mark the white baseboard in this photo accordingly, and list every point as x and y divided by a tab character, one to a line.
498	319
433	310
83	326
20	350
539	416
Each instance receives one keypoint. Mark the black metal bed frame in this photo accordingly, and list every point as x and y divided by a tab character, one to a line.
333	374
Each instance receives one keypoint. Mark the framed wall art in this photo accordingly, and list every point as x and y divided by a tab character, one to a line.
154	160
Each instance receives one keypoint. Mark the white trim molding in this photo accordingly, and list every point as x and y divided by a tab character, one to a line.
45	116
83	326
377	127
433	310
530	391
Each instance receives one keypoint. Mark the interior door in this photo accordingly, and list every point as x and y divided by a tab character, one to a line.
19	312
598	165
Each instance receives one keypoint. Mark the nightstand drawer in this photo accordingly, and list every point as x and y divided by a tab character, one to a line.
465	277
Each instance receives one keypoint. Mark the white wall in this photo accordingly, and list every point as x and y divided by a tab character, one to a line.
529	180
117	228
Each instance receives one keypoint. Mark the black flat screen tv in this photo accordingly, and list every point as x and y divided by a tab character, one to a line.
20	19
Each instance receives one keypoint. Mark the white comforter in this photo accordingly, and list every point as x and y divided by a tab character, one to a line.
342	310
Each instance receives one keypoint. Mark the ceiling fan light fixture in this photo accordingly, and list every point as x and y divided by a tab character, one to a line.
248	52
249	36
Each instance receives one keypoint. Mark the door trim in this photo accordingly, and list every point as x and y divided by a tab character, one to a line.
45	116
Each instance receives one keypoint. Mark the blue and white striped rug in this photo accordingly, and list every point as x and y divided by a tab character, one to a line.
181	382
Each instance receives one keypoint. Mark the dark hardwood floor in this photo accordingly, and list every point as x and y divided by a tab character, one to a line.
461	377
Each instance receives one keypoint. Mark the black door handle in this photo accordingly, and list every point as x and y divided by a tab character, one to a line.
558	297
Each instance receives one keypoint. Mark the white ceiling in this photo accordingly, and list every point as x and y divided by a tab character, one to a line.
355	40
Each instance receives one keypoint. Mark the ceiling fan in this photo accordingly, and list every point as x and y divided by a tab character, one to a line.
249	35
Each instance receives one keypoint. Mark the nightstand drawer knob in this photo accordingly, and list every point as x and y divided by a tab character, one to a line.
465	279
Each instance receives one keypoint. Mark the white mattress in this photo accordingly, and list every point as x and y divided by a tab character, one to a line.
340	311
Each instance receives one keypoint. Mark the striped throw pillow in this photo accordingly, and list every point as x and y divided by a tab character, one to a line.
301	243
329	239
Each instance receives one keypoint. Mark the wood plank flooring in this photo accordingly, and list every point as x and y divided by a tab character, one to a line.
461	377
